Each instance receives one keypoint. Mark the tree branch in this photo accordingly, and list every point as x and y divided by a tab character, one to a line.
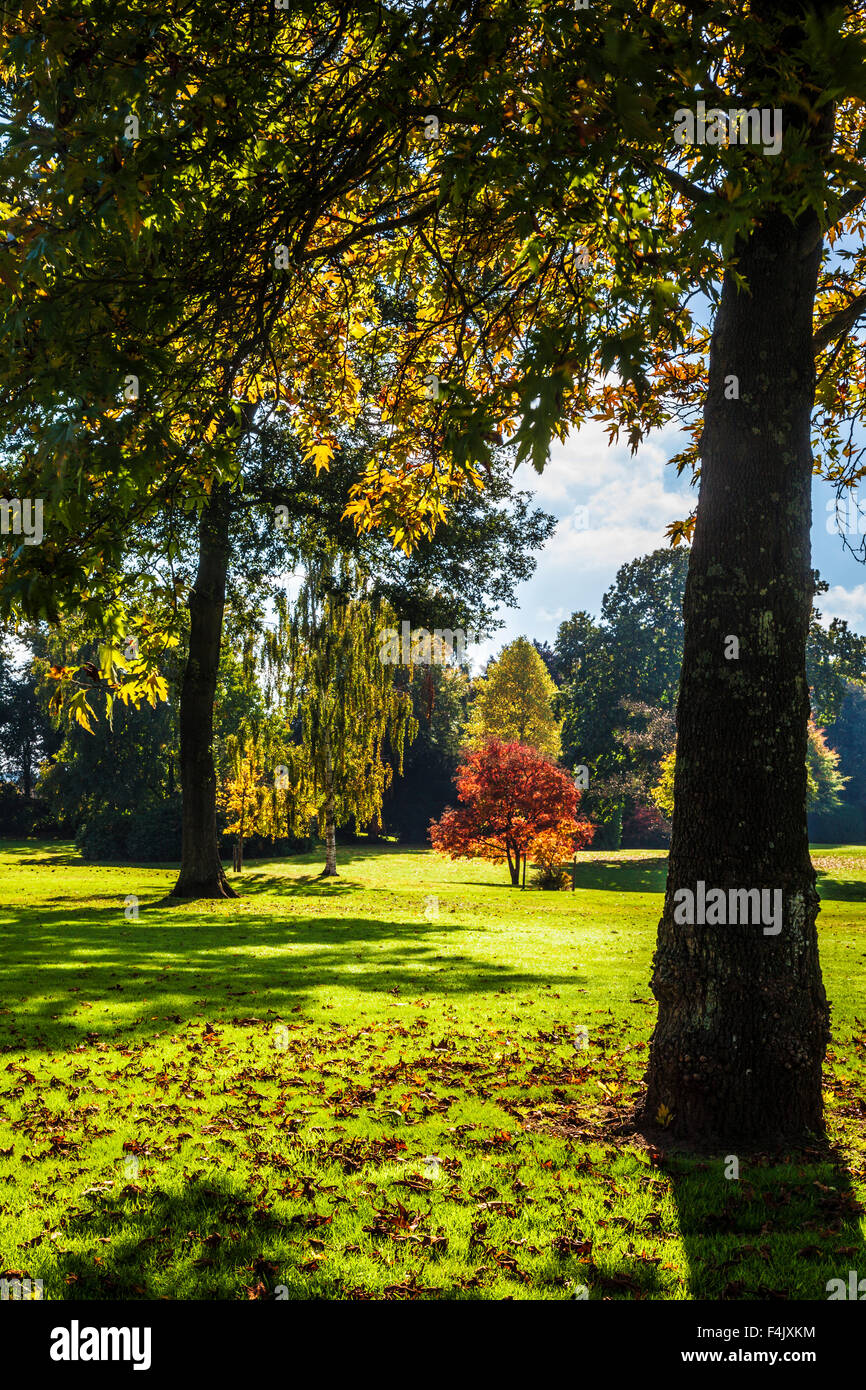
679	182
852	199
409	219
839	325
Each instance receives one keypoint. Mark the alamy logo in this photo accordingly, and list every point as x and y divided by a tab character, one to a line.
856	1288
737	906
18	1289
22	518
76	1343
418	647
740	127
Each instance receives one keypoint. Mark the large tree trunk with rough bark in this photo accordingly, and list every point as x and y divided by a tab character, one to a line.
201	871
742	1025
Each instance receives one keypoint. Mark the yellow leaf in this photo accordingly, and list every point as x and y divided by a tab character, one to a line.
320	455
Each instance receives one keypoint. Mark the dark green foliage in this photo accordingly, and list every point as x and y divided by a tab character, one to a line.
148	834
26	735
848	736
22	816
154	833
439	699
835	656
633	655
608	833
112	771
846	825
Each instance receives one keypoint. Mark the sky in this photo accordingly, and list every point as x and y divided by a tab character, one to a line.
611	507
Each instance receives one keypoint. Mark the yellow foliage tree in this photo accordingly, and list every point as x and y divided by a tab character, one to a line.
255	802
663	791
514	702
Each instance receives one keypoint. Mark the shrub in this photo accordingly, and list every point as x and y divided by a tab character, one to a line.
646	829
148	834
103	835
154	833
842	826
550	853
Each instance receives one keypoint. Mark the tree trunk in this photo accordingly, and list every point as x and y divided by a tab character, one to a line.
330	869
201	871
513	865
743	1020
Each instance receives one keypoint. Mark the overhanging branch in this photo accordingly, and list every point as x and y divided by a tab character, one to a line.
373	229
839	325
678	182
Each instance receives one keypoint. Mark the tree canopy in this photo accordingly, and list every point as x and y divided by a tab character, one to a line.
513	701
512	797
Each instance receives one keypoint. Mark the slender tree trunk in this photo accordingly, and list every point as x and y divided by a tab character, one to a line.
201	871
743	1018
330	870
513	865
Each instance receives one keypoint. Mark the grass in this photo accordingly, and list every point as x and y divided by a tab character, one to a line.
316	1091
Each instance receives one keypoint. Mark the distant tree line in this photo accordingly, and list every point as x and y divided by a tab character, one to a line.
601	699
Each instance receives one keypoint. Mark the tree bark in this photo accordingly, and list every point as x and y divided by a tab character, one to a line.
201	870
743	1019
330	869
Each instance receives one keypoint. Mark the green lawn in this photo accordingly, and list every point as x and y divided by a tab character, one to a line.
318	1088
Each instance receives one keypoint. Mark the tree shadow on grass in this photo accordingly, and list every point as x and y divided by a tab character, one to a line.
211	1240
162	968
307	885
833	889
781	1230
209	1237
623	875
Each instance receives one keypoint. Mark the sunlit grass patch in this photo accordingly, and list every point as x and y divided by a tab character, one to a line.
320	1090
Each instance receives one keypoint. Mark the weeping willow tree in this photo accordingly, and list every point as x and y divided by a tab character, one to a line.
260	791
349	718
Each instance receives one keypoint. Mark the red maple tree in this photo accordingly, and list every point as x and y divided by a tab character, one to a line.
510	794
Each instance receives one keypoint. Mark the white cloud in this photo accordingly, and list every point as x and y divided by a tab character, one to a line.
839	602
629	501
611	507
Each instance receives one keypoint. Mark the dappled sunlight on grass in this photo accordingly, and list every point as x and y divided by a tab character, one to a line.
372	1086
